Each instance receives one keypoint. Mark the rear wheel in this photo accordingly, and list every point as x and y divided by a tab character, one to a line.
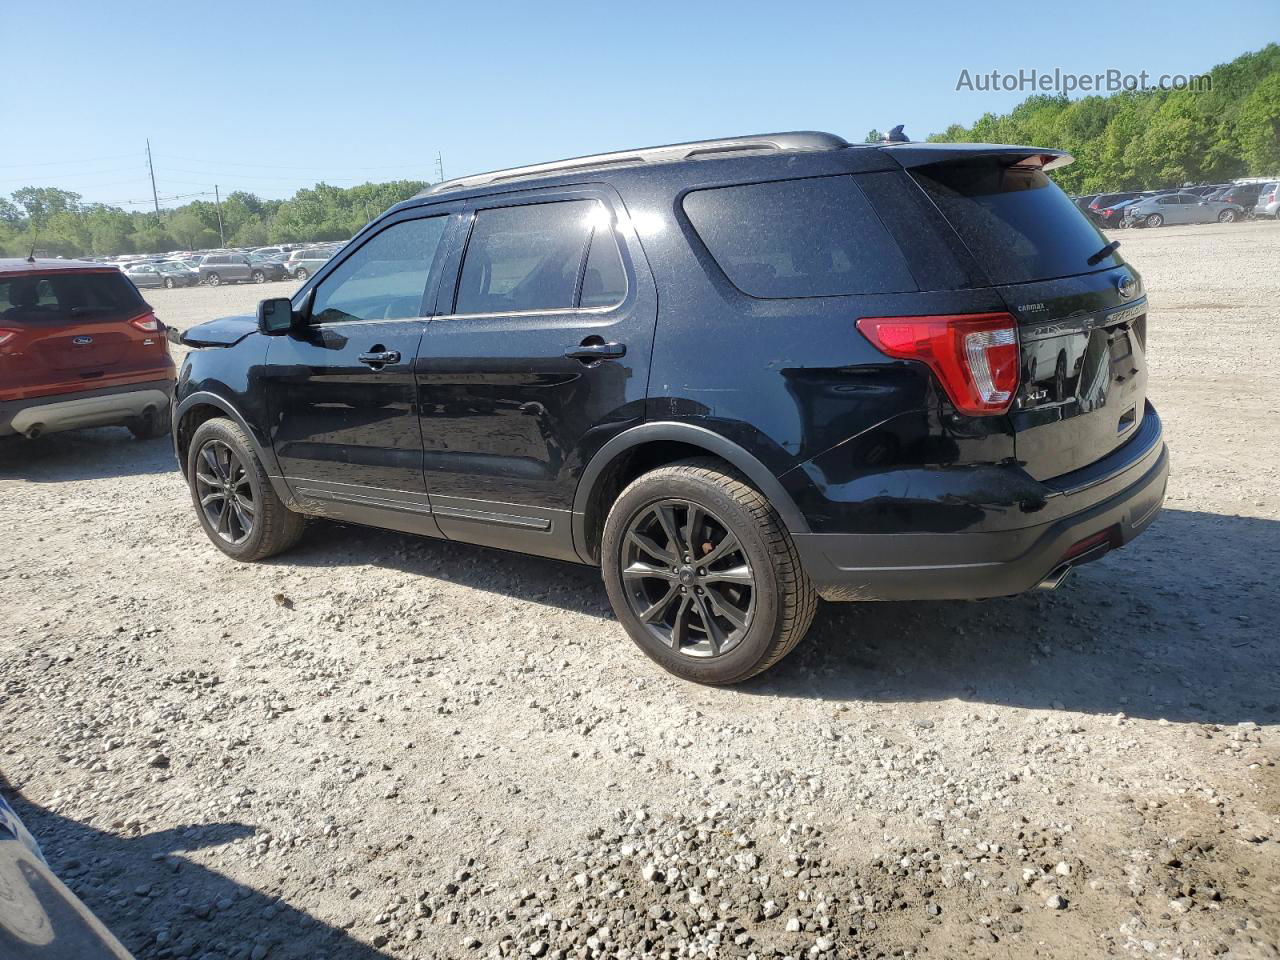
1155	220
703	575
169	284
152	424
301	274
259	277
214	280
234	500
1227	216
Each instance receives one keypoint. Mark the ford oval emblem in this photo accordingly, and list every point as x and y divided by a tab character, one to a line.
82	341
1127	286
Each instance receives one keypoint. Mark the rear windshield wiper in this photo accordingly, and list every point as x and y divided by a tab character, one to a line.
1102	254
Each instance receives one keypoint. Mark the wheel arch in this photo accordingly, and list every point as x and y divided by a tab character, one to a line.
650	445
201	406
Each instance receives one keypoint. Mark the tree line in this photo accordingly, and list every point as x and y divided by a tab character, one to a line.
1130	140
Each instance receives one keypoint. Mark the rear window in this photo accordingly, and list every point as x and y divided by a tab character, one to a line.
58	296
1015	221
814	237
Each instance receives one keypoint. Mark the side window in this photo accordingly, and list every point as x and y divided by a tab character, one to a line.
527	257
383	280
604	282
812	237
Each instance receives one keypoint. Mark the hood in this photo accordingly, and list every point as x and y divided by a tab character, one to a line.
225	332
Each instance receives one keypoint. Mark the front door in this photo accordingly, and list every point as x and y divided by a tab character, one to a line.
341	392
539	354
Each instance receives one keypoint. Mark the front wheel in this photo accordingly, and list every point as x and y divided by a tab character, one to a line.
259	277
1155	220
1227	216
234	500
168	283
301	274
703	574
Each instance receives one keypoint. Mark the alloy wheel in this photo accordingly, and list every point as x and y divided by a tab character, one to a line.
687	578
224	492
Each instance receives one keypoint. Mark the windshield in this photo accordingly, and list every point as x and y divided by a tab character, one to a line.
1017	223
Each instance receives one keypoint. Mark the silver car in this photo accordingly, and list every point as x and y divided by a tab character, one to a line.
1268	204
303	263
1182	208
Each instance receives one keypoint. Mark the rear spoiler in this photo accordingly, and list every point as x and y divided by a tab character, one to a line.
920	154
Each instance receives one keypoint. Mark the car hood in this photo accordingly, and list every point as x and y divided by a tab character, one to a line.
224	332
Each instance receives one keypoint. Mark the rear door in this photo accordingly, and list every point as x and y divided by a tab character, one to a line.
1082	324
539	355
341	393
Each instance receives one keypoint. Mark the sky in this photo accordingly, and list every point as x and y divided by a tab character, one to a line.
271	97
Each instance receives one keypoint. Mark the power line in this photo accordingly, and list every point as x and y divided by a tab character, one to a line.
54	163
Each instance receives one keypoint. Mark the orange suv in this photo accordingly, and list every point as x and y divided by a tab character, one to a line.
79	347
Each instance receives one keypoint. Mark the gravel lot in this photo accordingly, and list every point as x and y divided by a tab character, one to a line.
379	746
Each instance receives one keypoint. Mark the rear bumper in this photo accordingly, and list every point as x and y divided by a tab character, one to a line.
970	566
107	406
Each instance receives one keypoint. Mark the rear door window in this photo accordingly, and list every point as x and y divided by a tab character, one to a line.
813	237
1017	223
604	281
529	257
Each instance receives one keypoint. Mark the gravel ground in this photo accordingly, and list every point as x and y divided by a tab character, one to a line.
380	746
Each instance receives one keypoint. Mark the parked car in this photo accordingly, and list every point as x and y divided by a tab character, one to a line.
736	374
279	252
178	273
1243	195
1104	200
268	267
219	268
42	919
1182	208
303	263
79	347
1268	204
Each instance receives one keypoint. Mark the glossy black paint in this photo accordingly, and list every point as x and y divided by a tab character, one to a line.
485	430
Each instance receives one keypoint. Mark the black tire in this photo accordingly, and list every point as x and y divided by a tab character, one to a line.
1155	220
259	277
151	425
301	274
1227	216
781	600
214	280
274	527
168	283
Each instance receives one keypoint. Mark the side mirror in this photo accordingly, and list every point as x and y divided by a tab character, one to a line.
275	316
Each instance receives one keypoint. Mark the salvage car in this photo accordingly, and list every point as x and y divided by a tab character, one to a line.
1181	208
737	375
79	347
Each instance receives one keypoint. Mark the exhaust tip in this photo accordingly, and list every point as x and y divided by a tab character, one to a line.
34	431
1054	580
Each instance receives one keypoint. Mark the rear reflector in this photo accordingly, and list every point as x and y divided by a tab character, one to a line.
973	355
147	323
1107	536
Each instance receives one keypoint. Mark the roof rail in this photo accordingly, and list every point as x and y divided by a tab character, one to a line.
802	140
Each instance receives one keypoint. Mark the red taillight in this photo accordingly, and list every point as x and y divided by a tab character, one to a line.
147	323
973	355
6	335
1107	212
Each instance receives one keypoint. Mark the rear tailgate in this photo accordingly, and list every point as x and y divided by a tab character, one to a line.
67	331
1080	309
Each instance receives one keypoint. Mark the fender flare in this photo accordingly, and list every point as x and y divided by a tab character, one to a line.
205	398
710	441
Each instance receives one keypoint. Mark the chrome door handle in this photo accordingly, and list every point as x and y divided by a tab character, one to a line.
596	351
380	358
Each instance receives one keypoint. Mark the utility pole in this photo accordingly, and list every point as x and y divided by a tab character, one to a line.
440	165
154	196
217	203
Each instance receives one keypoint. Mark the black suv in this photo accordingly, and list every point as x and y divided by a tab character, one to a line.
736	374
